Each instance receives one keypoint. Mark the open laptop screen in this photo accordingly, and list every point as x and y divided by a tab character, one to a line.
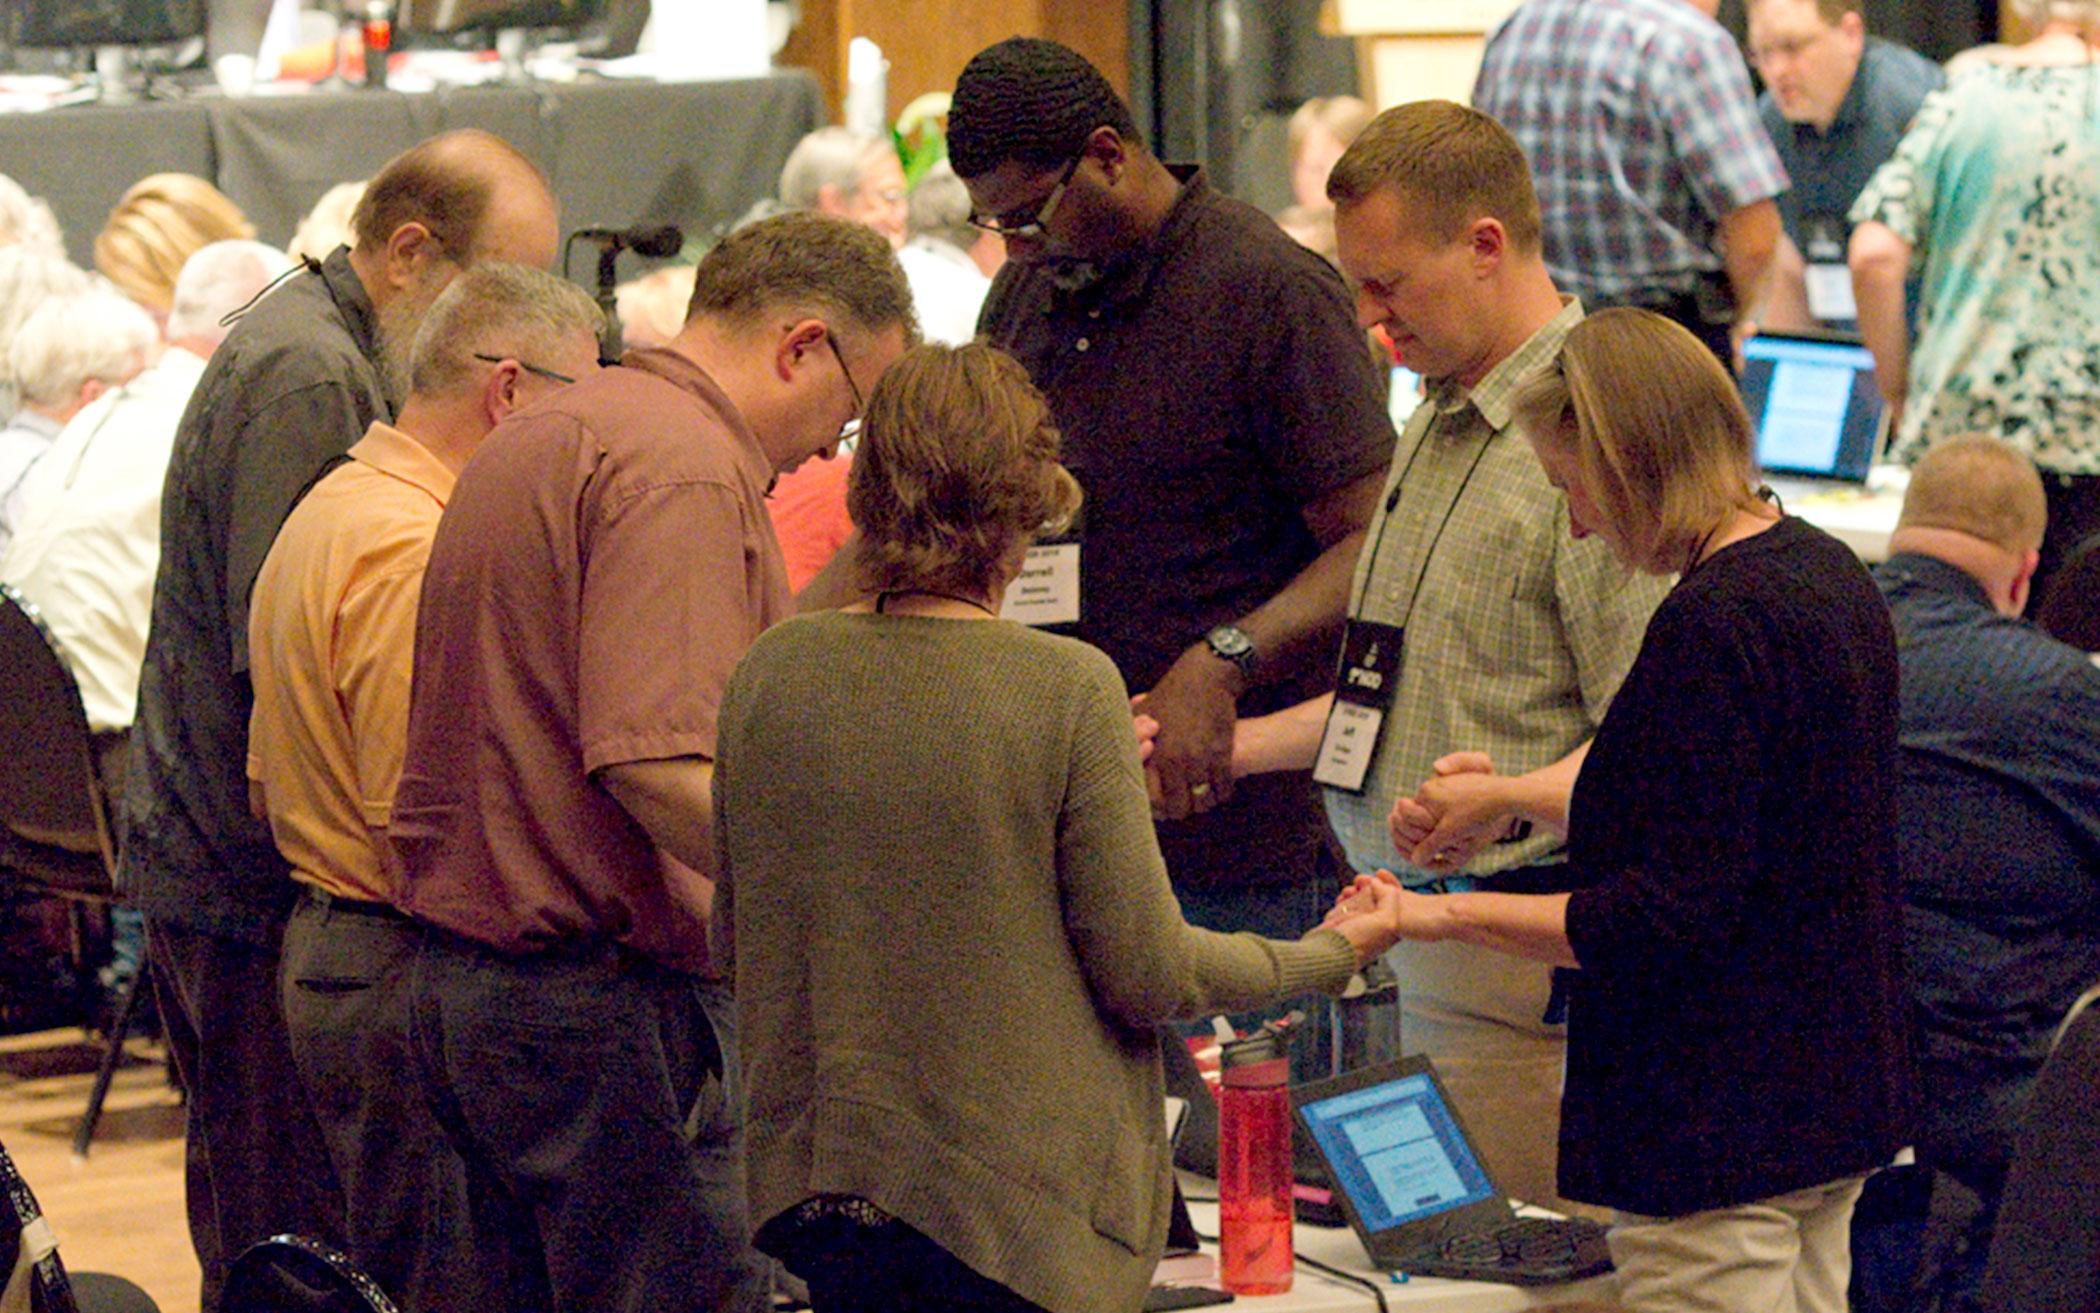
1814	405
1397	1152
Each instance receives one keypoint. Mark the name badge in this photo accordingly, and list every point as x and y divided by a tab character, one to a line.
1047	591
1363	692
1829	280
1830	293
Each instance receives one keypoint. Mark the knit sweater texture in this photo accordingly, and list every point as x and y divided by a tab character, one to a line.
953	938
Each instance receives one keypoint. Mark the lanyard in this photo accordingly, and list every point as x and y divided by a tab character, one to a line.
1392	502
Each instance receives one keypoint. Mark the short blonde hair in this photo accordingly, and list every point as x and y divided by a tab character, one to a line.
1661	442
1979	486
956	471
157	226
1452	161
1344	118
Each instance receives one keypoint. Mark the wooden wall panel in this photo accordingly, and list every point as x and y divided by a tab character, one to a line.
927	42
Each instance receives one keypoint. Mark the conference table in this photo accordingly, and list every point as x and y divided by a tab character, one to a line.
619	152
1315	1292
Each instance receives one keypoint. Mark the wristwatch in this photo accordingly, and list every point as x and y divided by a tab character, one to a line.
1230	643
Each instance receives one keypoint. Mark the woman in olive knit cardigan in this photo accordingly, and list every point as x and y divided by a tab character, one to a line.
949	923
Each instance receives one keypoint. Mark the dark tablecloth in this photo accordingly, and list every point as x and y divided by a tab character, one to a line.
696	154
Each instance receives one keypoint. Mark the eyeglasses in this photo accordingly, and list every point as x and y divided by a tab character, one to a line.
1031	228
849	430
527	366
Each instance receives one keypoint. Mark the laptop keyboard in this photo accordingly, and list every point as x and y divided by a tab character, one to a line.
1527	1242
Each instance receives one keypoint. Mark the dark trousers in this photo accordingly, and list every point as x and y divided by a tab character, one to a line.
345	984
895	1269
592	1096
256	1164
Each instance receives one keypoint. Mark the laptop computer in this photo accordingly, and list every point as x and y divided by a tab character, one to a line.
1814	407
1416	1191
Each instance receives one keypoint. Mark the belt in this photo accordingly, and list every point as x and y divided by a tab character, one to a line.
329	902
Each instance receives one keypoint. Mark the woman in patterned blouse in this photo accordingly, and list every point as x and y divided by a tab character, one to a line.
1994	197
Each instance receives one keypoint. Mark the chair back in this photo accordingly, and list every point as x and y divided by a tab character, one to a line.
22	1225
50	793
292	1274
2071	610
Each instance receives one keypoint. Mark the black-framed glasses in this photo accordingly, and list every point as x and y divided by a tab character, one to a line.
851	428
1032	227
525	365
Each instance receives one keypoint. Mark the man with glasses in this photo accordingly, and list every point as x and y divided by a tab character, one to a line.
298	381
600	568
1222	411
331	634
1655	179
1836	102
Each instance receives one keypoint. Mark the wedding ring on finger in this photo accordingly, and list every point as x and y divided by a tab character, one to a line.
1199	790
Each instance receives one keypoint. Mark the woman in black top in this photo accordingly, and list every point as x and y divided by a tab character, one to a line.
1735	1064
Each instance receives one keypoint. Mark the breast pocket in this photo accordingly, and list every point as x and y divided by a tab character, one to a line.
1492	595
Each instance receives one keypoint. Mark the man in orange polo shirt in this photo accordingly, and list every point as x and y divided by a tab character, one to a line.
331	644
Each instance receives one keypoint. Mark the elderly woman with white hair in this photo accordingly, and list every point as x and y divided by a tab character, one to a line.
29	277
27	221
68	352
1993	200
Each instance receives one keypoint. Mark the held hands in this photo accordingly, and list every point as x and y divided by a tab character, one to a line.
1193	707
1373	913
1146	727
1457	812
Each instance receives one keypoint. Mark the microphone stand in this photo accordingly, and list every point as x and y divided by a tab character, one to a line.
610	347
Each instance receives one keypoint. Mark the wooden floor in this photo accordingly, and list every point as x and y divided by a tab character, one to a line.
120	1210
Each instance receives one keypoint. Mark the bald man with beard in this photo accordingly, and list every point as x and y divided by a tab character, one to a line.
297	382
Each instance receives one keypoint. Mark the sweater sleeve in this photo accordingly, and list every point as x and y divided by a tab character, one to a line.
1142	961
1686	800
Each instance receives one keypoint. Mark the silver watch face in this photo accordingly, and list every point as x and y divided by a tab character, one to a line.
1230	642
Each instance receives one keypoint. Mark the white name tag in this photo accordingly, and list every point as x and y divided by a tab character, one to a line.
1047	592
1346	747
1830	292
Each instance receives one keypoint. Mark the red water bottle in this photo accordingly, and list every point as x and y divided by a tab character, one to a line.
1254	1166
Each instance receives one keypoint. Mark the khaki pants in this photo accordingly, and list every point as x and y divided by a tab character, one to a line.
1476	1015
1788	1254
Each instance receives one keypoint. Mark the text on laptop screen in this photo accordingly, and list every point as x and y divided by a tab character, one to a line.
1814	404
1397	1152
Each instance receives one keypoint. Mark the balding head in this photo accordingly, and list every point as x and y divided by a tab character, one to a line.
1976	503
471	192
458	199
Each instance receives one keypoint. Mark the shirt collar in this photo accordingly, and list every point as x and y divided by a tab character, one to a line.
1853	108
354	303
1127	278
397	455
1492	395
1934	575
43	426
684	372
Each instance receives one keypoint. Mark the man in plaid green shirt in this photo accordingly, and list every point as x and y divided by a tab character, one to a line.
1478	624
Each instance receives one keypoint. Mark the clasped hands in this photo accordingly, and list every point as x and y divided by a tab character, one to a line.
1460	809
1184	727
